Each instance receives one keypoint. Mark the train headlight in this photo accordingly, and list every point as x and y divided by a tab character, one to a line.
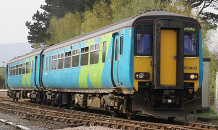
142	75
190	76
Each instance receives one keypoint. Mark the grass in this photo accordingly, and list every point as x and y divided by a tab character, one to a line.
210	113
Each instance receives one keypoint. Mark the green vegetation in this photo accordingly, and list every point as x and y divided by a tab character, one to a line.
213	64
207	114
89	15
61	29
2	73
65	19
102	14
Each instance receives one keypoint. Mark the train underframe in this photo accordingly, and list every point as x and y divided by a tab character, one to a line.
158	103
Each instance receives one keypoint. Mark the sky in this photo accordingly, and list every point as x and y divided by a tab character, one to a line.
11	50
14	14
13	31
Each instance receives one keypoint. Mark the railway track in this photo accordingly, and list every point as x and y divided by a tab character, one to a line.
78	118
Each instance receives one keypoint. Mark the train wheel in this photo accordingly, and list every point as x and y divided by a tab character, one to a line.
53	102
37	101
114	113
59	100
60	104
130	116
14	96
43	100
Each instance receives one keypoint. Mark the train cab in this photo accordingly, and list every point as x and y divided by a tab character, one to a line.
167	63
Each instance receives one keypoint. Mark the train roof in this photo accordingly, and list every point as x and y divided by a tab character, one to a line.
110	28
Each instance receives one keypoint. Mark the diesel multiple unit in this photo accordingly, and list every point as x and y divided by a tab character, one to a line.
150	63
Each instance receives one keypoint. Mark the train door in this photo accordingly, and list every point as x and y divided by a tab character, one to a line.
168	57
41	69
115	61
168	54
36	70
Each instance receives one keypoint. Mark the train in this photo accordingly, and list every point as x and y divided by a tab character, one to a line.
149	64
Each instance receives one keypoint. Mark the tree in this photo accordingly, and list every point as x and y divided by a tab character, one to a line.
37	34
64	28
2	73
37	29
59	8
207	16
97	17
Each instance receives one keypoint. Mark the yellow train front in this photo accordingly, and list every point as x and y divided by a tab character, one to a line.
168	66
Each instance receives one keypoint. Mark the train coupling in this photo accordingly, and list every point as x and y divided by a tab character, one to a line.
169	97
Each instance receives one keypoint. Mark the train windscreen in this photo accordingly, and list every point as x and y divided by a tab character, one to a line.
190	41
144	38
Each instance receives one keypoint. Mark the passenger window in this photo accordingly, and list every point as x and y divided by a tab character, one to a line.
14	70
143	37
32	66
116	49
11	71
60	60
20	69
75	58
17	69
54	62
121	45
67	59
94	54
23	68
190	41
27	67
104	51
84	56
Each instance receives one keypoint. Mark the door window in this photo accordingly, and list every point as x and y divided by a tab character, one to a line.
116	49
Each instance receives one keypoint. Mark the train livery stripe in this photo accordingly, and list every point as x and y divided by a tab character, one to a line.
91	75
